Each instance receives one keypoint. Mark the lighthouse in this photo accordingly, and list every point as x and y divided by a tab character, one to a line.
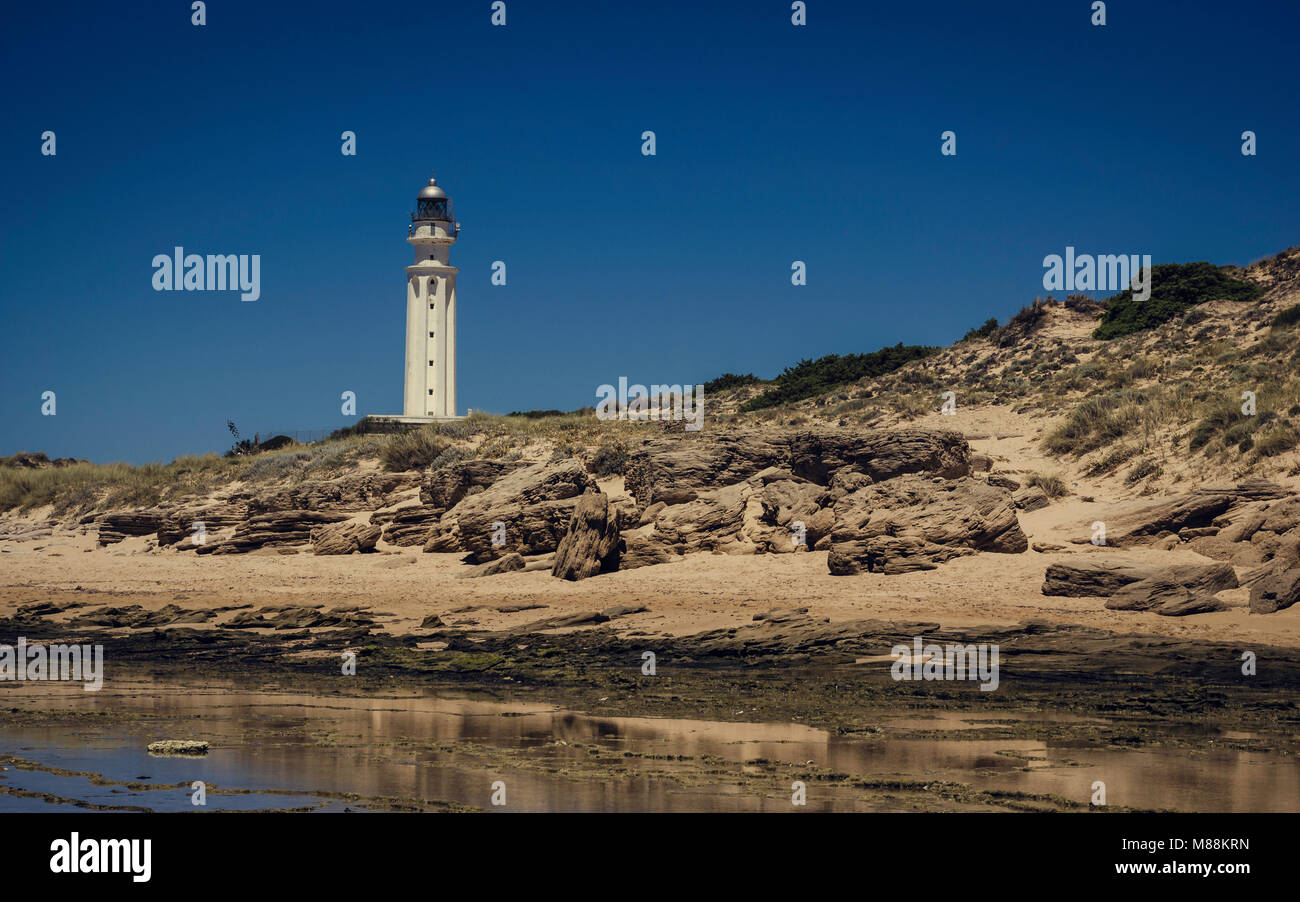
430	386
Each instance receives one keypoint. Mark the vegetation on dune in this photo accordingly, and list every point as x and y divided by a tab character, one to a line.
990	326
1287	318
809	378
413	450
1175	288
730	380
1051	484
79	487
83	486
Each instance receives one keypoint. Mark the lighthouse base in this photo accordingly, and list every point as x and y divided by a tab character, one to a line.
382	423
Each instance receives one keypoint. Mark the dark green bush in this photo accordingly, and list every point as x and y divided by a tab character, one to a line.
1288	317
1175	288
730	380
809	378
984	331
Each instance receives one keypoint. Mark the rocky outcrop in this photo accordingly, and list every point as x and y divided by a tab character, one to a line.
113	528
645	549
714	521
592	544
275	529
915	523
180	526
662	468
355	492
1163	518
408	525
446	486
880	454
532	506
345	538
789	513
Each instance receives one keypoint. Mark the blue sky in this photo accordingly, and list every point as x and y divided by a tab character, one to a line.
775	143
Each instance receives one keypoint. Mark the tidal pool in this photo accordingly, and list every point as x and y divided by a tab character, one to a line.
446	750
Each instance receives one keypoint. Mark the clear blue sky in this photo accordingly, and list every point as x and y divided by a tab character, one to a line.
775	144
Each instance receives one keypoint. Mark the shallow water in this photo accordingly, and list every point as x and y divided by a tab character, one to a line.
273	749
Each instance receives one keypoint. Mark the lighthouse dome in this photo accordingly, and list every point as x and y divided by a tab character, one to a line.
431	190
433	204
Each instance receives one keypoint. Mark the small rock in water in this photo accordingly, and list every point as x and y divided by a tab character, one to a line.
178	747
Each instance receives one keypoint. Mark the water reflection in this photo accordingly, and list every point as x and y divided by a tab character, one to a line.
441	747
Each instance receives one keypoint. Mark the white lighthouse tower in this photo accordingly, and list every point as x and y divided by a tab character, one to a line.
430	387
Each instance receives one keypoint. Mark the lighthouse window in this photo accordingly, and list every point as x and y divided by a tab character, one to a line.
431	335
430	363
432	208
430	391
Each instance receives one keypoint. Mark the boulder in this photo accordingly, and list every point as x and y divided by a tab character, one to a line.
592	543
507	564
795	513
1275	592
1242	554
927	520
1282	516
534	503
1104	576
642	549
1180	584
664	468
411	524
1165	517
446	486
714	521
1192	604
889	555
345	538
1243	528
1031	498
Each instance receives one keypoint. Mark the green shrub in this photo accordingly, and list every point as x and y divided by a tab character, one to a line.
610	459
1111	461
809	378
1288	317
1097	422
1143	469
990	326
1277	441
730	380
1175	288
1051	484
414	450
